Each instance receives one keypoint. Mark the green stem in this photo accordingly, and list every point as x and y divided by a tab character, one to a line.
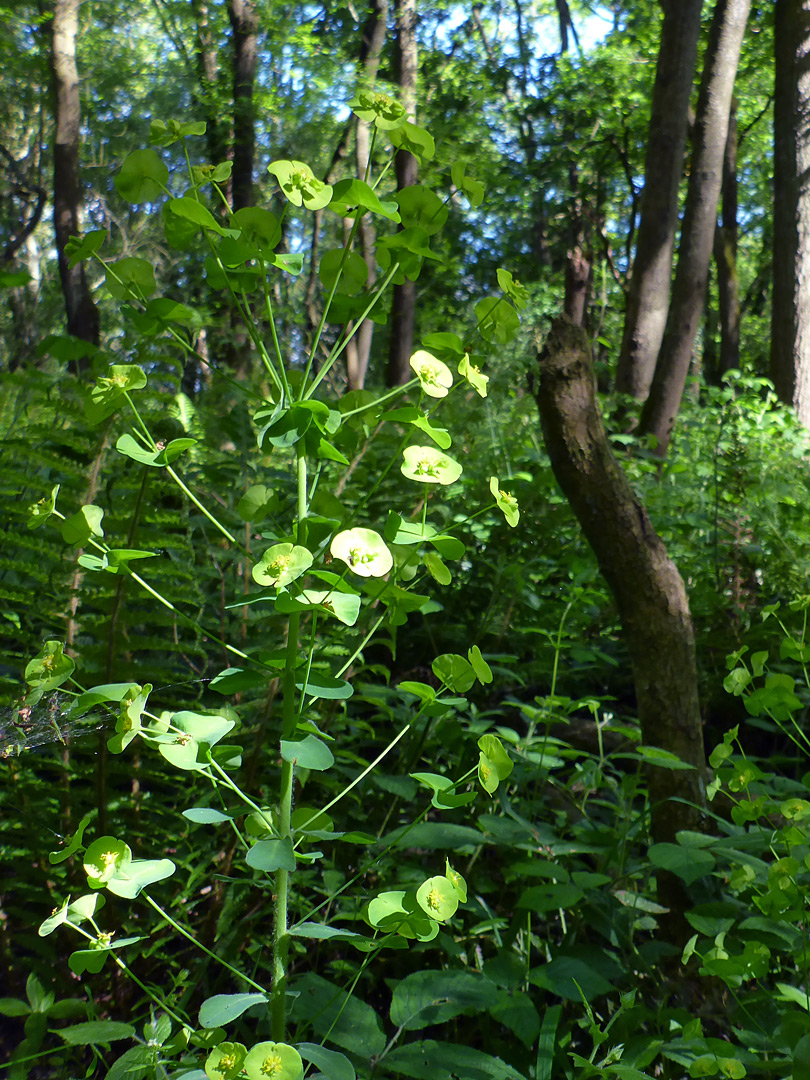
202	509
190	937
341	345
281	937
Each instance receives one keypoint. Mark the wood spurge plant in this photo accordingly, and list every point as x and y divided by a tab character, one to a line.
322	579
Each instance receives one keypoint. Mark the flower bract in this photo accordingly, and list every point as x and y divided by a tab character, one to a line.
273	1061
507	503
281	564
474	377
434	375
427	465
364	551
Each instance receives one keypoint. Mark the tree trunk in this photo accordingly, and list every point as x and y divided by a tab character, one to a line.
358	350
648	590
648	298
790	327
242	14
403	305
725	256
209	98
699	221
82	313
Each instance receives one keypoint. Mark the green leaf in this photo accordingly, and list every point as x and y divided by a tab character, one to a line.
472	190
130	278
416	140
444	796
351	194
662	759
193	211
205	815
436	568
272	855
166	132
222	1009
431	1060
544	898
687	863
321	685
350	265
345	607
96	1032
321	932
483	672
566	976
425	998
79	248
333	1065
157	459
454	671
256	503
143	177
308	753
138	874
801	1059
347	1021
14	1007
56	857
80	527
421	208
259	228
498	322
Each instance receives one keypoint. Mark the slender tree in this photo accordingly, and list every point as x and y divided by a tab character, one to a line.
649	591
82	313
790	327
403	304
374	33
725	256
699	221
648	298
244	27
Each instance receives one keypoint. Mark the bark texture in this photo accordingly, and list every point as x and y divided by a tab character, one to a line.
648	590
699	221
358	350
244	27
82	314
403	305
790	328
725	256
208	75
648	298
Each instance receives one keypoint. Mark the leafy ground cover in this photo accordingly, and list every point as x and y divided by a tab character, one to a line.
331	768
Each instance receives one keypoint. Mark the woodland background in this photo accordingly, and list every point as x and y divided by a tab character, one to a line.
629	180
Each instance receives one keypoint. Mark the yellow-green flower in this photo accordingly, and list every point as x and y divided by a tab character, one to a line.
427	465
281	564
364	551
273	1061
507	503
474	377
434	375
